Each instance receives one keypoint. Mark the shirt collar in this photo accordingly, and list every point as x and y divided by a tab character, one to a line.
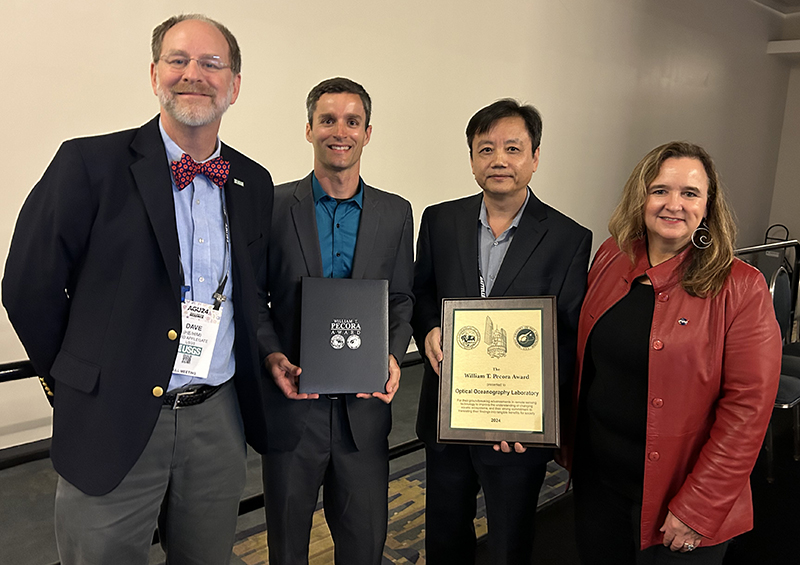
664	275
174	153
484	218
319	193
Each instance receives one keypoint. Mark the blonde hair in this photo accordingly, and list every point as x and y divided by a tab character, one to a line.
706	269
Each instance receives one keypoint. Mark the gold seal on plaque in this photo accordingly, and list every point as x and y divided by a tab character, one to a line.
468	337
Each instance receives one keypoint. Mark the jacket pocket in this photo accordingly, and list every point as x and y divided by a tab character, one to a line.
75	372
258	239
257	250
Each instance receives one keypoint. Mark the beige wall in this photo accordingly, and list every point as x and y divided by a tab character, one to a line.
612	78
785	200
786	196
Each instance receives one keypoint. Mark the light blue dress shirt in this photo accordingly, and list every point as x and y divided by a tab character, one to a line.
493	249
337	228
201	233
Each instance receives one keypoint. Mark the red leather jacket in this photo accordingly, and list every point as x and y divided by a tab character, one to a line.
714	368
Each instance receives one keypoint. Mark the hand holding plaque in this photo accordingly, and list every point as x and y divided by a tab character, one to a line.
433	349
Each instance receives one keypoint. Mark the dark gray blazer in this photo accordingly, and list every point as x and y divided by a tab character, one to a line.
549	255
384	250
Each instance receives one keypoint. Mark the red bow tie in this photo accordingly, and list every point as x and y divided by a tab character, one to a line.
184	171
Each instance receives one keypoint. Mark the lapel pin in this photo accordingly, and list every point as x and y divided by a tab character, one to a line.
239	182
683	321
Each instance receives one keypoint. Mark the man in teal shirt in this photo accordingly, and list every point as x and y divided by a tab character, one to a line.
332	224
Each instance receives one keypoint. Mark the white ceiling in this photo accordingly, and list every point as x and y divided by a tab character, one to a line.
782	6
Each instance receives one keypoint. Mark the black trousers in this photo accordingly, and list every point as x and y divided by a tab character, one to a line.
511	492
608	528
355	485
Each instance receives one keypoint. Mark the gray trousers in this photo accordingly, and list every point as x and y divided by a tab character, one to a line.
188	480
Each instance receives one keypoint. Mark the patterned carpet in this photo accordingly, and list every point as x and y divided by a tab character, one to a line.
405	541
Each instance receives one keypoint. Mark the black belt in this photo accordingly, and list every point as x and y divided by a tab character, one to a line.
192	397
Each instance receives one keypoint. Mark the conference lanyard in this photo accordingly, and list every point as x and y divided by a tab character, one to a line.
218	296
200	321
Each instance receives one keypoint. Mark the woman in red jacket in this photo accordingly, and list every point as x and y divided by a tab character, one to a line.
679	355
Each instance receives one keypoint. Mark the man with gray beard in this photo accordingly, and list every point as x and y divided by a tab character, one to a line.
127	262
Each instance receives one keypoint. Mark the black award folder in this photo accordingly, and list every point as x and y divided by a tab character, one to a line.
344	335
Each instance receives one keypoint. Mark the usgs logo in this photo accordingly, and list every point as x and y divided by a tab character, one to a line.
189	350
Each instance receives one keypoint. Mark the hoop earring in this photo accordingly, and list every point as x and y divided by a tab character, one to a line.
701	237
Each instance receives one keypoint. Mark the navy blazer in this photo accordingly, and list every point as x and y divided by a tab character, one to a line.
92	288
549	255
384	250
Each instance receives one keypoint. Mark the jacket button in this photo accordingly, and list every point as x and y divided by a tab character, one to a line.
654	456
172	335
663	296
158	391
658	402
658	344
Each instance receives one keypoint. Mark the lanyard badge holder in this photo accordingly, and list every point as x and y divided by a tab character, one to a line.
200	322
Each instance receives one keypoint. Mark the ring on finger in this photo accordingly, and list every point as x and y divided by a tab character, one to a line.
688	546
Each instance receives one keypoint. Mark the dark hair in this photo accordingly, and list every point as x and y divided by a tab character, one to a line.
486	117
709	267
161	30
335	86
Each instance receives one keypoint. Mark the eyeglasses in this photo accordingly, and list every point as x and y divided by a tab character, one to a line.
206	64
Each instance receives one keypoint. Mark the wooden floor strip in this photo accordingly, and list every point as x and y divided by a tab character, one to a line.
405	542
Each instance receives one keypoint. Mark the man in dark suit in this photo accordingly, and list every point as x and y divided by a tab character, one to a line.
503	242
112	259
332	224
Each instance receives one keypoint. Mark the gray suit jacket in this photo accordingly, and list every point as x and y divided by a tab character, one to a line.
384	250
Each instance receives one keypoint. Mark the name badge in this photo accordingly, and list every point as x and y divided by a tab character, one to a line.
198	338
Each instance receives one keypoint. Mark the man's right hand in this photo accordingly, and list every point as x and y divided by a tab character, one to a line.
286	376
433	348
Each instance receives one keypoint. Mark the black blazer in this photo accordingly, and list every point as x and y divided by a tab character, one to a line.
549	255
384	250
92	287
